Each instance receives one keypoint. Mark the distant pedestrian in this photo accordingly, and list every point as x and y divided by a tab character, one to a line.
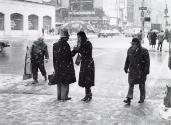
140	36
137	66
160	37
39	55
153	39
87	68
149	36
63	66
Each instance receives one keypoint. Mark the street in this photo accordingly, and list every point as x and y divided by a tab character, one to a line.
22	103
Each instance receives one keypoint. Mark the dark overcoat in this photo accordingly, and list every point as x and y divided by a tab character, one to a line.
39	51
63	62
87	68
137	64
153	38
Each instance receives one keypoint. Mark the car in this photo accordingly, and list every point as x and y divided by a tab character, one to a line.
107	33
3	43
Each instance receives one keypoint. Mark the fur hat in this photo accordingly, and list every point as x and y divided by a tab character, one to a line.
64	33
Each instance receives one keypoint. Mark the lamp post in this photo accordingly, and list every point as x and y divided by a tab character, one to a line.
166	16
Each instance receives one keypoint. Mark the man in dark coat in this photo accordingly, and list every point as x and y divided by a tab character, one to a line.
39	54
63	66
137	66
153	39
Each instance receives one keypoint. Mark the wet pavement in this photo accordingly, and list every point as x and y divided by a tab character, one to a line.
22	103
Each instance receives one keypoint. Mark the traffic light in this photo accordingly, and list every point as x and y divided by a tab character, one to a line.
147	19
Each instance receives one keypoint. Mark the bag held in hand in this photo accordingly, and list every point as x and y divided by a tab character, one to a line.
78	59
51	79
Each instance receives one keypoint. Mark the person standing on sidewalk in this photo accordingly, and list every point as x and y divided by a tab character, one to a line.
140	36
63	66
153	39
87	68
137	66
160	37
39	55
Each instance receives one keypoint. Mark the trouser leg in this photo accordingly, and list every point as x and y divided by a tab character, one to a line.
130	91
42	68
59	91
35	71
88	91
142	91
64	91
161	46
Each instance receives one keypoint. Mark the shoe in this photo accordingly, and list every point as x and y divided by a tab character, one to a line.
45	78
84	99
88	99
69	98
128	101
140	101
35	82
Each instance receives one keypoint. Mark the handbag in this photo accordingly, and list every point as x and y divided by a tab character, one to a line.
78	59
52	80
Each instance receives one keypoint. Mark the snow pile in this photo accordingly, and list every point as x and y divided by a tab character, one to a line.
165	113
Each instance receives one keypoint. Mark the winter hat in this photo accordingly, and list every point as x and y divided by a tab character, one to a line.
64	33
136	40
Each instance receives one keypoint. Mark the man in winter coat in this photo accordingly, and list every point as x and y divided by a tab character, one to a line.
160	37
39	55
63	66
137	66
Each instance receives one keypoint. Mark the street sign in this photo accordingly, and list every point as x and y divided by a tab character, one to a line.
142	8
147	19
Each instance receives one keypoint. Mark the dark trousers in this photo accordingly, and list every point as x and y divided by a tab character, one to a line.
131	91
160	44
35	67
62	91
88	91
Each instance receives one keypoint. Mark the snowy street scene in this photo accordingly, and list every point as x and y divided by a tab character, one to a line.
85	62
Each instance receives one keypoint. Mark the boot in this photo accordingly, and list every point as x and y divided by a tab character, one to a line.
89	97
141	101
128	101
35	82
84	99
45	77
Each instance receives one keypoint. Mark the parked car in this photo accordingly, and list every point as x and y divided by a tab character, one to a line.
107	33
3	43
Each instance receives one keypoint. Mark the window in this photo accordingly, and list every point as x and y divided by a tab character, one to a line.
16	21
33	22
47	23
1	21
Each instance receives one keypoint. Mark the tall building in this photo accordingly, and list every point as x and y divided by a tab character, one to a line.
90	11
26	17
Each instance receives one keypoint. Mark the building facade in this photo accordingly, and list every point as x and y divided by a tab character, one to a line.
25	18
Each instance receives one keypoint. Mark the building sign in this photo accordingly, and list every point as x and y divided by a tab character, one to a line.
36	1
82	13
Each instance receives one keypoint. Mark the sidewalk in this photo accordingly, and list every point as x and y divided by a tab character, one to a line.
22	103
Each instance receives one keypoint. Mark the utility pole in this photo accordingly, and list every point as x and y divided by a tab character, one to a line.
166	16
142	8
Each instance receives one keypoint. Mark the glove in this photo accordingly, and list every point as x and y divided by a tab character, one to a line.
126	70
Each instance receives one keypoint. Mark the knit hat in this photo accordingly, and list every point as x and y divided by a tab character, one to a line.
136	40
64	33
